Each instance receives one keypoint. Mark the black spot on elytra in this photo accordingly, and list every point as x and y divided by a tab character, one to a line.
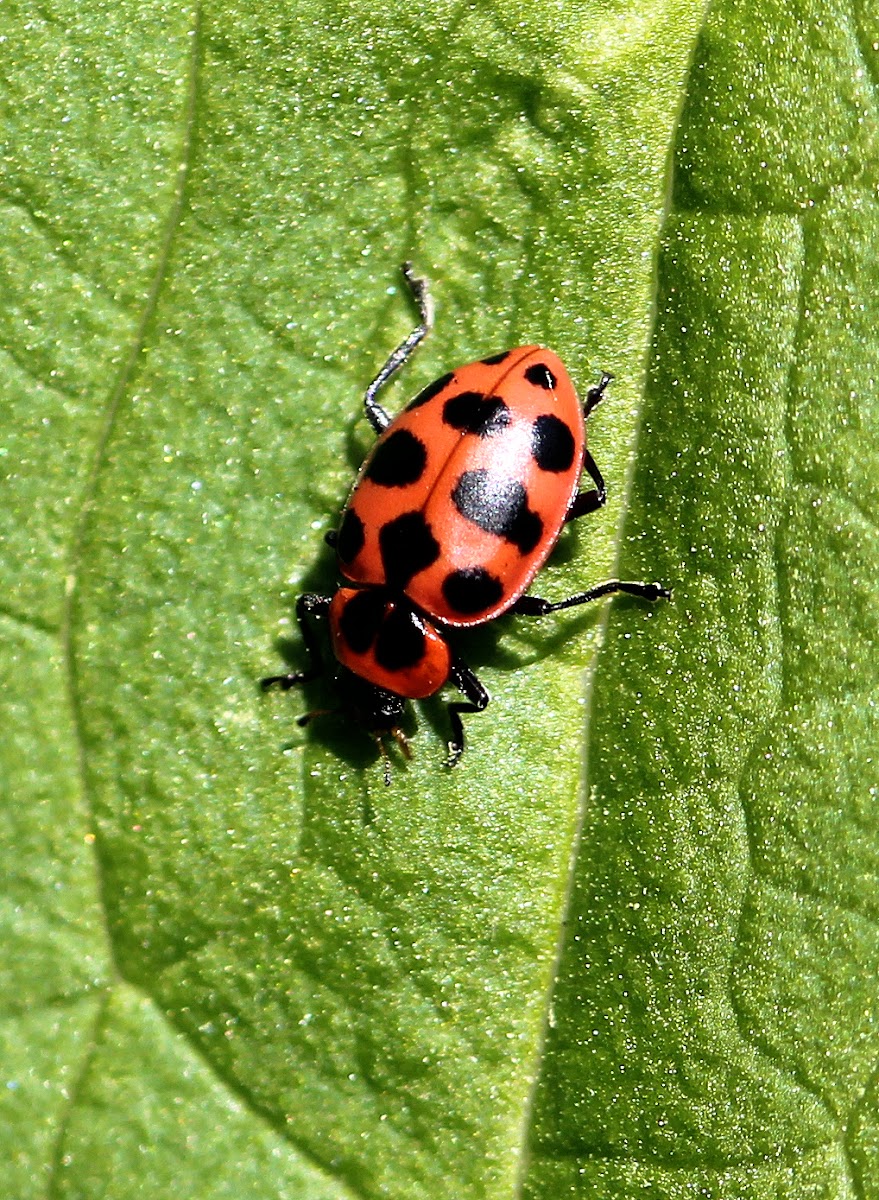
430	391
472	412
540	375
498	505
400	641
407	546
361	620
471	590
552	444
351	537
494	359
398	460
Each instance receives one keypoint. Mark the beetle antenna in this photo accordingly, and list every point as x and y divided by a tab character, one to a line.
386	762
308	717
403	742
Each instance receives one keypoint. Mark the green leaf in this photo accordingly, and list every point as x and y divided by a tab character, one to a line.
238	964
715	1025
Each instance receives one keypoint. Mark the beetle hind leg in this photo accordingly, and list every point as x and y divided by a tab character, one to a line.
590	501
596	394
593	499
376	415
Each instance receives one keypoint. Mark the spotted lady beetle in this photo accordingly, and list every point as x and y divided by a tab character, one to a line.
457	507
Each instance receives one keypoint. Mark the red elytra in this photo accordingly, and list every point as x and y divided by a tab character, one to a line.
490	462
456	508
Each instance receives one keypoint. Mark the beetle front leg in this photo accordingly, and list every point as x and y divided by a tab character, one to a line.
308	603
478	698
376	415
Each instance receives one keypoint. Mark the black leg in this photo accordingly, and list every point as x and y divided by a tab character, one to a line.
534	606
478	698
376	415
307	604
589	502
595	394
595	498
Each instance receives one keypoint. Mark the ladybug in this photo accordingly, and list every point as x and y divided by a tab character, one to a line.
461	500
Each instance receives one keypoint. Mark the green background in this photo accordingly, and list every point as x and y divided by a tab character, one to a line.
629	947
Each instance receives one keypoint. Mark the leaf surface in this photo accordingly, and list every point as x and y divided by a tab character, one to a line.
237	963
715	1018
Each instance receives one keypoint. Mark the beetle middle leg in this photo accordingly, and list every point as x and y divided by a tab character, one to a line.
536	606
